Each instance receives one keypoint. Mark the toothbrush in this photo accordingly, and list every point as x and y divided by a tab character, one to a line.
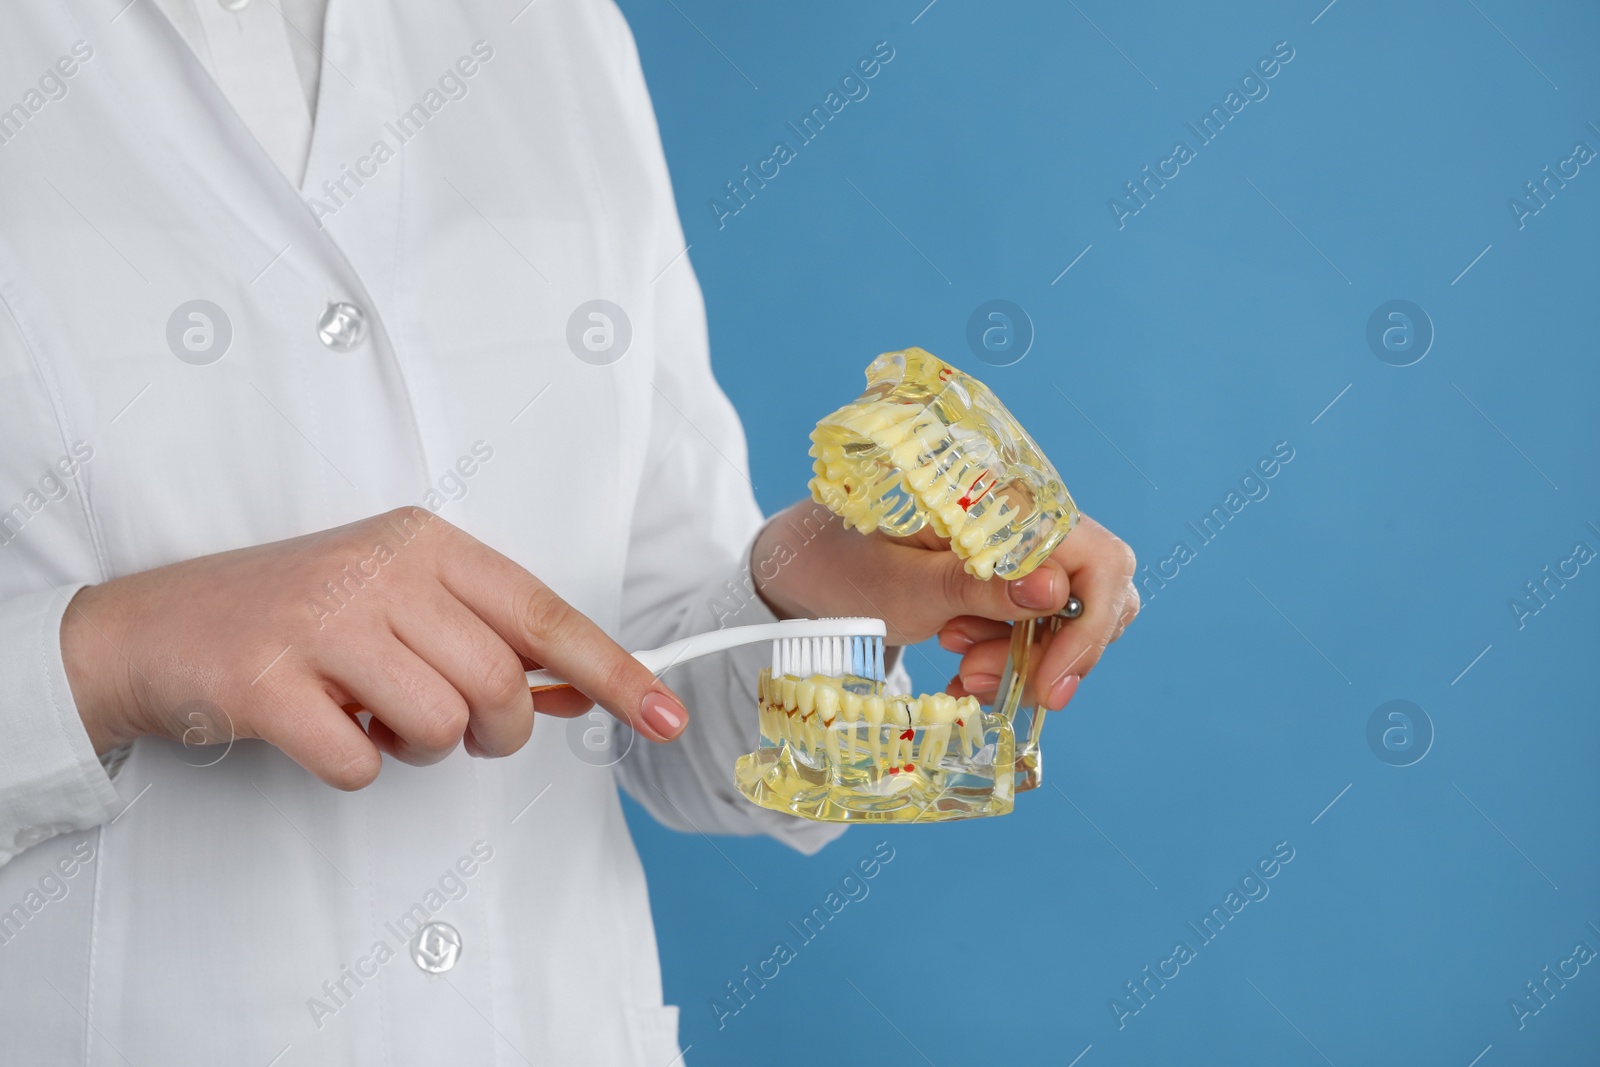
799	646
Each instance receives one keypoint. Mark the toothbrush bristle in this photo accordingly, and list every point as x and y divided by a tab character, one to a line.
834	657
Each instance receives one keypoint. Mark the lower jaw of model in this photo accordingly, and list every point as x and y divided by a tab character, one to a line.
838	750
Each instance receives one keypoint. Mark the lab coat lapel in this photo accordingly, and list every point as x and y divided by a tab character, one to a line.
219	170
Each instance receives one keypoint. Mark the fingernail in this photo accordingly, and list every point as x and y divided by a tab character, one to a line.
955	641
663	715
1062	691
980	683
1036	591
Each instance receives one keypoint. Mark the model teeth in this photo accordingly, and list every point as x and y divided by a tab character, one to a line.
927	444
827	720
954	494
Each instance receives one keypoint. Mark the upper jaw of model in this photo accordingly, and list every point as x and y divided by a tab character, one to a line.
929	445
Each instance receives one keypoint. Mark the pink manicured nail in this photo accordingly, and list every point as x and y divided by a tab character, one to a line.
1036	591
980	683
663	715
1062	691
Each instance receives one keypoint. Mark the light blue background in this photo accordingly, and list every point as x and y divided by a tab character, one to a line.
1211	327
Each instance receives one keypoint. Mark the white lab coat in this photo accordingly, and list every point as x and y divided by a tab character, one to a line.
183	913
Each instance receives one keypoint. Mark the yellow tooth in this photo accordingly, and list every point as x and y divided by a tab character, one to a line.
850	703
984	557
944	491
898	721
850	709
932	432
873	709
783	706
939	710
908	454
922	478
898	426
971	716
954	519
982	562
875	418
765	705
805	696
981	527
827	700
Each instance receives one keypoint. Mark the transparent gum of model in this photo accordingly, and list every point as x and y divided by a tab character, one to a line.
924	445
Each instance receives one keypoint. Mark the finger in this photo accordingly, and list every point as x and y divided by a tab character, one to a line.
964	631
544	627
983	668
1130	609
562	703
310	728
942	576
983	665
474	659
418	717
1108	597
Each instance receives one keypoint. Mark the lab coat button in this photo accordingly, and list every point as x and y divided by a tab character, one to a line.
33	835
436	947
342	326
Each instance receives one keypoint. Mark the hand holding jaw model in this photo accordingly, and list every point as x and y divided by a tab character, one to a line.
951	493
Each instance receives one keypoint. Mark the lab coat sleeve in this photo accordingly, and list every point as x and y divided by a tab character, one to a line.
694	522
687	572
51	781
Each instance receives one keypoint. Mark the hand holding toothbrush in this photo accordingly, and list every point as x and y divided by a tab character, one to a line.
426	627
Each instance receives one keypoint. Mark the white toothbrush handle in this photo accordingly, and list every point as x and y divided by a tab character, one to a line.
657	660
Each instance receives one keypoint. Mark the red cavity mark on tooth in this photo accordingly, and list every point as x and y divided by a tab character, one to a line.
894	770
910	767
968	500
960	723
908	735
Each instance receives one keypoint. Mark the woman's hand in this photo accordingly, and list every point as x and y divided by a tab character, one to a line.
428	629
807	563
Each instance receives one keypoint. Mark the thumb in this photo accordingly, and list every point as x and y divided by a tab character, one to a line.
1040	593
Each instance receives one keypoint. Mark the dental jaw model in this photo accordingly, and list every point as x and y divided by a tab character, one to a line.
925	445
835	748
